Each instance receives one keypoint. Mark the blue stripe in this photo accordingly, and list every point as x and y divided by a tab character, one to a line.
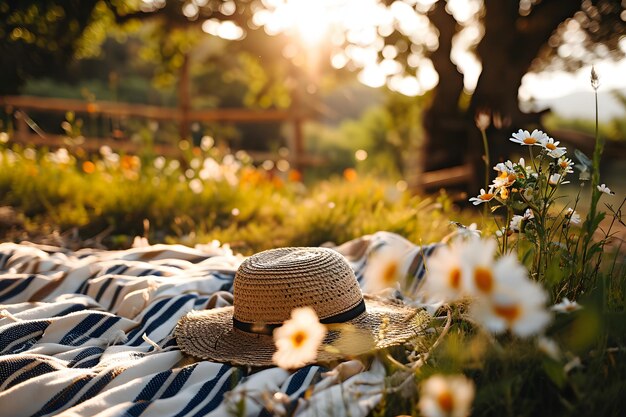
81	329
179	381
71	309
10	366
153	310
103	288
116	269
108	323
5	258
17	331
137	409
84	287
18	288
218	397
41	369
145	272
163	317
7	282
203	392
84	354
101	382
170	343
297	379
63	397
153	386
115	295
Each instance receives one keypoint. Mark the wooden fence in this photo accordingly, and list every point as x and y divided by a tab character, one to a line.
27	133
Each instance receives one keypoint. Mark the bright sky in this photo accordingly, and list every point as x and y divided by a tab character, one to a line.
363	24
550	85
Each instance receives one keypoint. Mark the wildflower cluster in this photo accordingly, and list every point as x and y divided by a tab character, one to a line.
527	190
500	294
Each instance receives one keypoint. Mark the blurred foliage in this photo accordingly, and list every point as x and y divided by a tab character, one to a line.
209	195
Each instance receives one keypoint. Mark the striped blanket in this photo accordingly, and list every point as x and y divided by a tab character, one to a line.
89	332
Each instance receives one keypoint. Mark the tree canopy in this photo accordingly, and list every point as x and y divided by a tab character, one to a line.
472	54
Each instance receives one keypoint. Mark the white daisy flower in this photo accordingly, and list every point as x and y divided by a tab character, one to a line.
553	148
501	167
604	189
537	137
557	153
517	307
505	179
566	306
516	223
528	214
298	339
385	268
478	269
566	165
446	396
483	197
509	166
573	217
555	179
443	279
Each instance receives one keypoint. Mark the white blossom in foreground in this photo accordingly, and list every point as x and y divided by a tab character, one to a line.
566	306
385	268
518	308
442	396
477	266
443	280
298	339
604	189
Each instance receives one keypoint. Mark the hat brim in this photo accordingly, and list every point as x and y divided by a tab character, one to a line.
209	334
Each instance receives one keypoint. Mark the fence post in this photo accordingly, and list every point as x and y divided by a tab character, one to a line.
184	100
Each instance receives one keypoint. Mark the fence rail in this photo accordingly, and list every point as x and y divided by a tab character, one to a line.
19	105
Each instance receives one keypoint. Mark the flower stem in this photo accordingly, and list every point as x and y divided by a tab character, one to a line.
590	223
486	158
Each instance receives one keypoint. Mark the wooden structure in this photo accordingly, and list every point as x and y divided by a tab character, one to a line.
24	133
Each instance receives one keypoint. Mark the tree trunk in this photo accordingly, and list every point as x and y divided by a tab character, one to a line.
507	50
441	143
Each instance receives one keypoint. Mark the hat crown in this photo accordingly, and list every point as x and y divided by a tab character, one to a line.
270	284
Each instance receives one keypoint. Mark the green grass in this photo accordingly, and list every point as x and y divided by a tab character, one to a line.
253	210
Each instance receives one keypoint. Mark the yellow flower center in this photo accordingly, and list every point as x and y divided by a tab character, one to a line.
455	278
550	146
446	401
509	313
563	164
483	279
530	141
504	193
390	273
298	339
486	196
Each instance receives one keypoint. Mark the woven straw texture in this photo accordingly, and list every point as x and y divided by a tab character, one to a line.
270	284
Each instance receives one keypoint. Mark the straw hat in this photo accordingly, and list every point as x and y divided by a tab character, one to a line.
270	284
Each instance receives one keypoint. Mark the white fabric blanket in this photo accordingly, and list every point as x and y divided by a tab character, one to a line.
89	333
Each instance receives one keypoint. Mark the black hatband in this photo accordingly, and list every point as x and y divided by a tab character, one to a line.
268	329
